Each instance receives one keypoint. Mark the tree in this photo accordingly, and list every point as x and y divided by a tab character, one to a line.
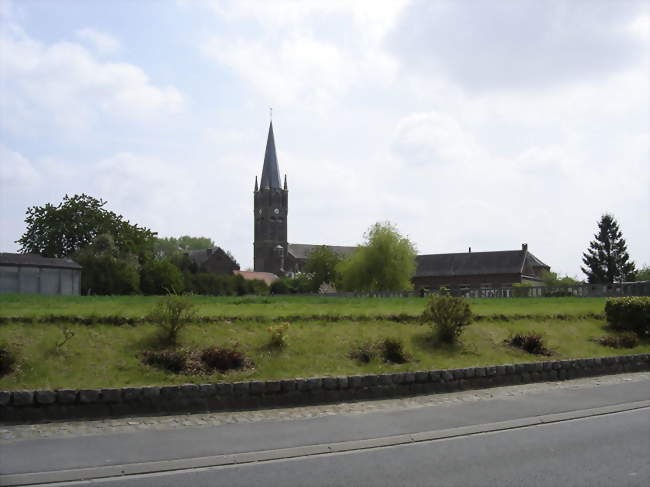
321	266
160	276
171	246
385	262
105	270
551	279
643	274
62	230
606	259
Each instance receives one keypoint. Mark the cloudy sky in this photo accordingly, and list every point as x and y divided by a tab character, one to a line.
466	123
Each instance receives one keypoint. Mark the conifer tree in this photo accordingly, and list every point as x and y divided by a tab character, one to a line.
606	259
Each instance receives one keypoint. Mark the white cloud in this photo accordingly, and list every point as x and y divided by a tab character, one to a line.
16	171
62	87
518	44
100	41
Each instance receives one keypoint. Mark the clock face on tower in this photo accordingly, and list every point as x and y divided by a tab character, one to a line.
260	211
276	211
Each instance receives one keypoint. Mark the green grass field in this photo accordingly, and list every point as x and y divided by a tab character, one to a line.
104	355
14	305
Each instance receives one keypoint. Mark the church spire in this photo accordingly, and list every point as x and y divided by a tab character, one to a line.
270	171
256	184
285	182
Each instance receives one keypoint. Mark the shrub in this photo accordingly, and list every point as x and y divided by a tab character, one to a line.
389	349
531	343
624	340
7	360
161	277
392	350
170	360
278	338
172	314
280	287
258	287
364	352
450	315
223	359
521	290
629	314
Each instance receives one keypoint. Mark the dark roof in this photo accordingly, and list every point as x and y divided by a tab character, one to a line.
270	171
35	260
475	263
202	255
302	251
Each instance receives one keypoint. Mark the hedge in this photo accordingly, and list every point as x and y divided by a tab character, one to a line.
629	314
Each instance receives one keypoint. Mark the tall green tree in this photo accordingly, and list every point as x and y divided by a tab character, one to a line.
606	260
64	229
385	262
321	266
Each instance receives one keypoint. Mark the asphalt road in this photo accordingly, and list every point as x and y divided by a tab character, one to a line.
608	449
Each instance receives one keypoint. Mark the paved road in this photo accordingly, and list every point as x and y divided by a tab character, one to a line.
604	450
609	450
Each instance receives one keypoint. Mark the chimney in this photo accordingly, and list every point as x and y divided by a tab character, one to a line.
470	250
524	247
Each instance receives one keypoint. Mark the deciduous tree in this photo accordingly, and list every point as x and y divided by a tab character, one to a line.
73	224
321	266
385	262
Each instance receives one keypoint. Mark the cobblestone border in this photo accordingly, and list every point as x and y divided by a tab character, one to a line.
37	405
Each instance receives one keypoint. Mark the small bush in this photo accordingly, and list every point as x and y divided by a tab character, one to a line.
531	343
392	350
170	360
364	352
449	315
629	314
280	287
7	360
389	349
624	340
223	359
278	338
521	290
172	314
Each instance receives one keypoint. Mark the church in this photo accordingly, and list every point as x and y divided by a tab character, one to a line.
274	254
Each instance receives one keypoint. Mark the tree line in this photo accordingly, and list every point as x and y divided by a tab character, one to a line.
119	257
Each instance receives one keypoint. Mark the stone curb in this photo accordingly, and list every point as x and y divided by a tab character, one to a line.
28	406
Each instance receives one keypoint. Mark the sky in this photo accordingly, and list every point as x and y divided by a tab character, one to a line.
465	123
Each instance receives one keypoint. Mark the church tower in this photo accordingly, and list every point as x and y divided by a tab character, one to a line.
271	205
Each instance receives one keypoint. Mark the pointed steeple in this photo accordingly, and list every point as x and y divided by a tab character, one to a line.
285	182
256	188
270	171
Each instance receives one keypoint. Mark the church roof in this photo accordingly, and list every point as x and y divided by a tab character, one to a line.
475	263
302	251
202	255
270	171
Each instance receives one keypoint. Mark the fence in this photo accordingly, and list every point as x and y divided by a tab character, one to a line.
579	291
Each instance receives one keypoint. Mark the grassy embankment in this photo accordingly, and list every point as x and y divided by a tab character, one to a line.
104	355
